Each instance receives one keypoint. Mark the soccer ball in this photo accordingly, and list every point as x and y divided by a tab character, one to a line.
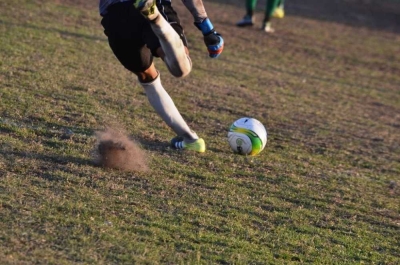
247	136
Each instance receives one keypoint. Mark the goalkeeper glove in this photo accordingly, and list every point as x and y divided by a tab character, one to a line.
212	39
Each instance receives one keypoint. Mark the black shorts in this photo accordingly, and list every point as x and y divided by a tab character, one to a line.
130	35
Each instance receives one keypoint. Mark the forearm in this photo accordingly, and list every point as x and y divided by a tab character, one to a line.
212	39
196	8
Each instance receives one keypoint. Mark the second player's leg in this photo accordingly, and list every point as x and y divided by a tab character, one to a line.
248	19
271	5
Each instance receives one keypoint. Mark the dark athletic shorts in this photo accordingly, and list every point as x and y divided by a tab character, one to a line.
131	37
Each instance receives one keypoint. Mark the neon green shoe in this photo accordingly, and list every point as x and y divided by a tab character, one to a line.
279	12
148	8
197	145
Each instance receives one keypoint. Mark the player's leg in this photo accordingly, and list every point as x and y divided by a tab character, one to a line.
165	107
279	10
248	19
269	10
124	30
176	57
154	45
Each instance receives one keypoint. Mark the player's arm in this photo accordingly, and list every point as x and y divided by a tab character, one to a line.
212	39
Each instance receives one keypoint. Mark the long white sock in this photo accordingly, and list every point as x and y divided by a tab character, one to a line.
176	59
165	107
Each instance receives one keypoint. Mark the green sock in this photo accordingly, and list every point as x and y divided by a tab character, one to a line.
250	6
270	8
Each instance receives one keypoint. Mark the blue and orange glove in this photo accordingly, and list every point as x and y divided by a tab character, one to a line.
212	39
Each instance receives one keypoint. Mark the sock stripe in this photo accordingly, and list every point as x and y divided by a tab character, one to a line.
179	145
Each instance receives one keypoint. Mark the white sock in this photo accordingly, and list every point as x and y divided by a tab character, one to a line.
176	59
165	107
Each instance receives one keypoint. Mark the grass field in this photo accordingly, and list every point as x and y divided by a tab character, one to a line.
326	190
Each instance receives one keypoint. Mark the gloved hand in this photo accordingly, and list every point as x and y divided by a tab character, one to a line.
212	39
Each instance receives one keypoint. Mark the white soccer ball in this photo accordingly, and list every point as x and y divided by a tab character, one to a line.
247	136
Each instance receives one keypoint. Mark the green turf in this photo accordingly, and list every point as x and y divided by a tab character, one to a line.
324	191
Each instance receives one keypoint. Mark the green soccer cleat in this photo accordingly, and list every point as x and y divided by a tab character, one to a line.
148	8
196	145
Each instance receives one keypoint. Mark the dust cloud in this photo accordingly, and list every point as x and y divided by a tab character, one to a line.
114	149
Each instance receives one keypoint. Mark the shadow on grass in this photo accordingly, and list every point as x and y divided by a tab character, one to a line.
56	159
43	128
164	147
300	75
45	166
378	15
153	145
54	30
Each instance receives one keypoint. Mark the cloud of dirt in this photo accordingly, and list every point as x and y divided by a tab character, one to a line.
114	149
